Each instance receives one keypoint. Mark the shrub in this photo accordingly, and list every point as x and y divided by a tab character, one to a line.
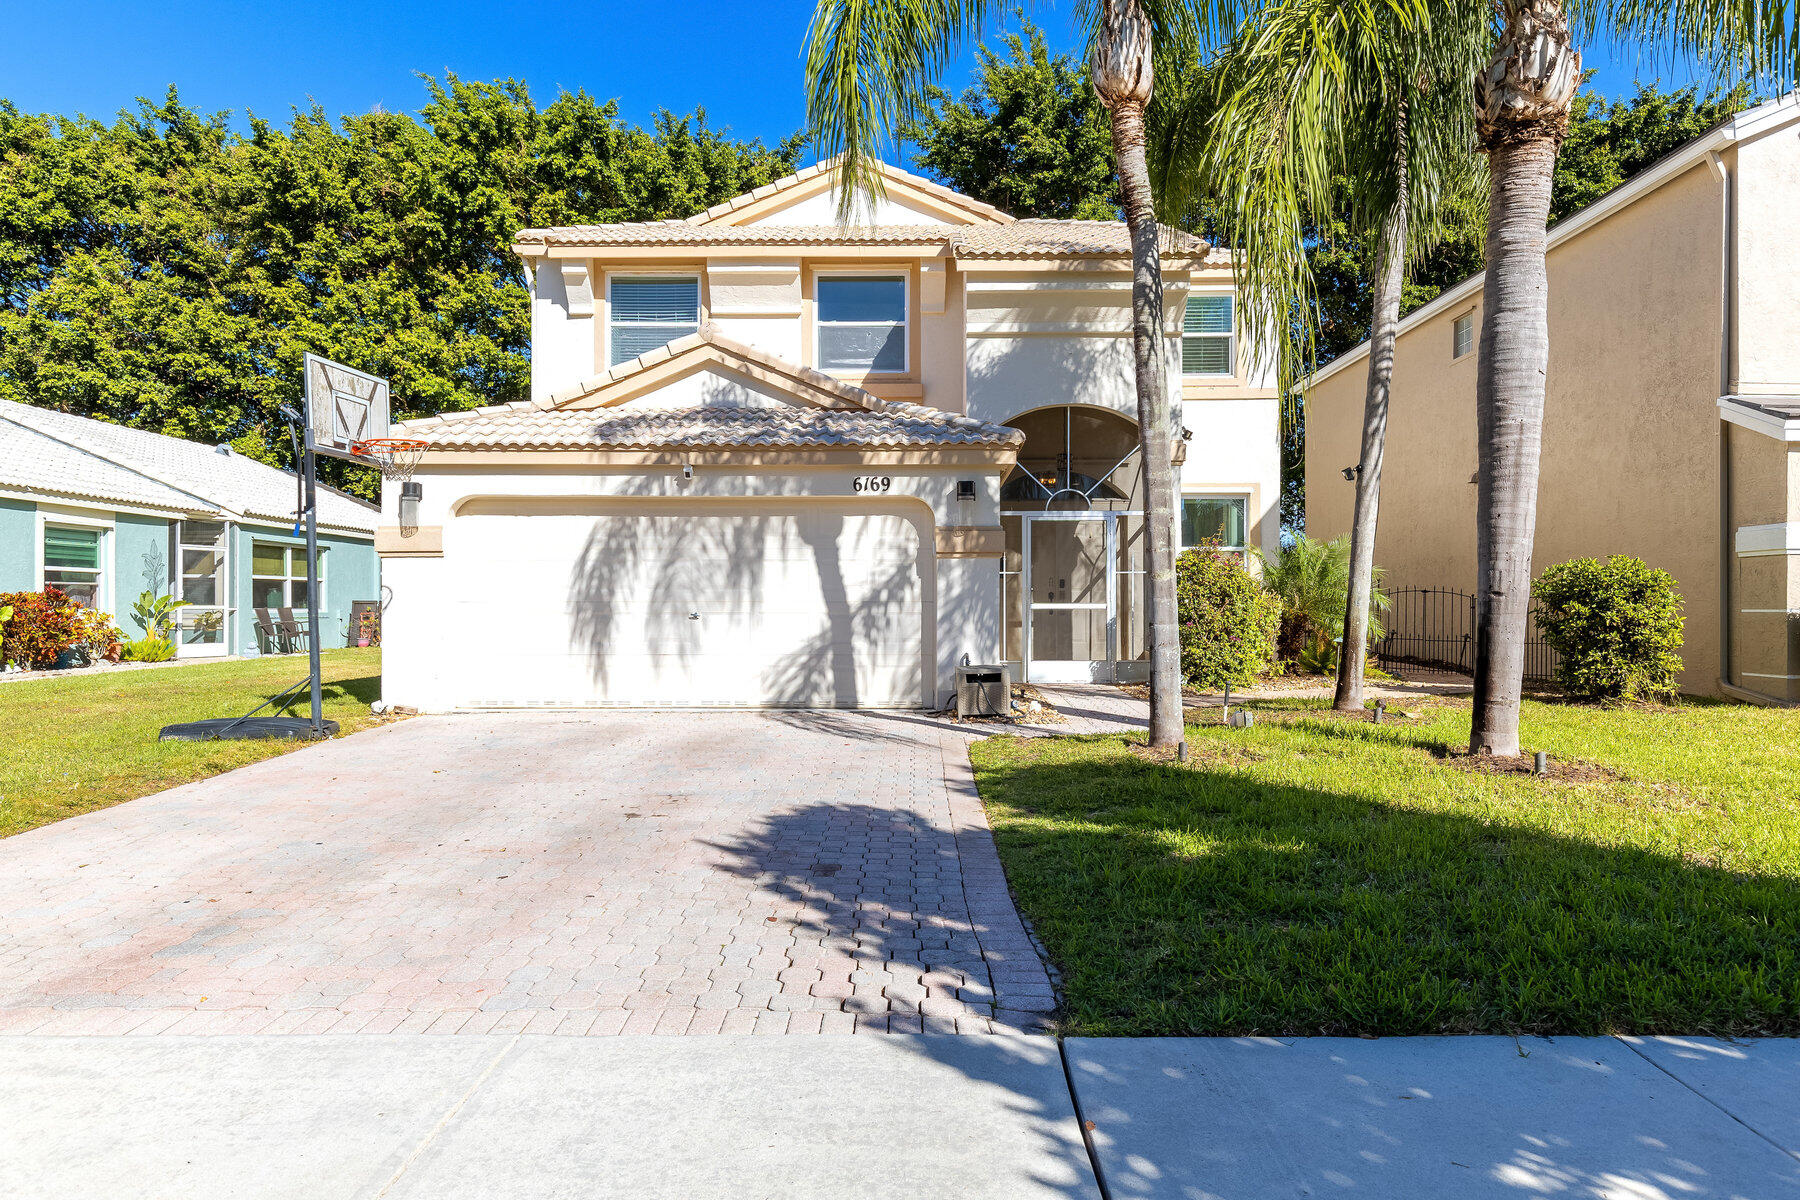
1312	578
149	649
43	627
1615	627
96	637
1228	620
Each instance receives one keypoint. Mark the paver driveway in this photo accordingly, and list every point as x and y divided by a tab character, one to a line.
587	874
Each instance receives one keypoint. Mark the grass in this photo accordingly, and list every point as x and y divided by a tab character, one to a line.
1317	876
87	742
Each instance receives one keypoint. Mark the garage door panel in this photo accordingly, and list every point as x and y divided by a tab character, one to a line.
790	605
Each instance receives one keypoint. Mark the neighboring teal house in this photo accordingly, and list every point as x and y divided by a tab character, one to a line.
106	513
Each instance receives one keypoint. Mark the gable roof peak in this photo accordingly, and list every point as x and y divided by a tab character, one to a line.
823	175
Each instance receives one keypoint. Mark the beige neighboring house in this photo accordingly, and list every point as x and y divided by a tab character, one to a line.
772	460
1672	423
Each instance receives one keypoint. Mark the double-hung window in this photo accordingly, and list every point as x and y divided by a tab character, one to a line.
862	323
1215	521
278	575
72	562
1462	335
649	312
1208	331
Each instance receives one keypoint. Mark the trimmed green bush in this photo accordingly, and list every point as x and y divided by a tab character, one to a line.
1228	620
1615	626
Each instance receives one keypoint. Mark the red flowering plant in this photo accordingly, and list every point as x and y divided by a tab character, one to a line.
43	627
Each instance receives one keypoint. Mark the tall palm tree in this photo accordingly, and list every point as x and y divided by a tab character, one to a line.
868	65
1322	104
1522	103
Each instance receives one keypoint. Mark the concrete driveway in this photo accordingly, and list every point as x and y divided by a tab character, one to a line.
628	872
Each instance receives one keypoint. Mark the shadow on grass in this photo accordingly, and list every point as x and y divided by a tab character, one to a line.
1203	900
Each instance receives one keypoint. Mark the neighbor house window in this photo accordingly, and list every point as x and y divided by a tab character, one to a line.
1462	335
1207	331
1216	521
72	562
650	312
278	575
862	322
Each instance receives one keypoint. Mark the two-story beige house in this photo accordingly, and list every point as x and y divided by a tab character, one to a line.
1672	420
770	459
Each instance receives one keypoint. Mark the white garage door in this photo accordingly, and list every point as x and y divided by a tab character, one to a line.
595	602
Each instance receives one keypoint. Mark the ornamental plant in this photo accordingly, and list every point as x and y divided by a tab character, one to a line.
1227	620
1615	626
149	649
42	628
96	636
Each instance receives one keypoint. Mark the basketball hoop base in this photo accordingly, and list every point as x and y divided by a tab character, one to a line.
247	729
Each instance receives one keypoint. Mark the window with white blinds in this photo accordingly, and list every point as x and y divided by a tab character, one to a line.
650	312
1208	331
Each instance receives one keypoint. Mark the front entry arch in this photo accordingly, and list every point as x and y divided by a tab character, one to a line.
1072	581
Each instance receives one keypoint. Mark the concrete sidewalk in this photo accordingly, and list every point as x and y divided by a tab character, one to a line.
1474	1117
520	1118
840	1117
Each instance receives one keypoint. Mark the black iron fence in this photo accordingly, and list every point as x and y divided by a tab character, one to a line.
1434	628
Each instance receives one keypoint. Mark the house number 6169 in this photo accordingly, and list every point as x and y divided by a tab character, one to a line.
874	483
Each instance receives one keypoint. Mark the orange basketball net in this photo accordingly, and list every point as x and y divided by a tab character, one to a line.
394	457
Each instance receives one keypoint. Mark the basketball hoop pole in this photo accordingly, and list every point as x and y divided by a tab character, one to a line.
315	619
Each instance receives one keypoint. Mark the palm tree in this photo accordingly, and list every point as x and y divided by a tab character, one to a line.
1324	106
1522	104
868	65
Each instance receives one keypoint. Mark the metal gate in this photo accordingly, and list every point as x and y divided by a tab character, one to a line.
1434	628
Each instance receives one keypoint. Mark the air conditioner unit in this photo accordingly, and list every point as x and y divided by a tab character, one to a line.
984	691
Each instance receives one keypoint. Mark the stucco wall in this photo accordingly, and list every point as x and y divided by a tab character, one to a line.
141	559
1236	450
1631	441
1767	177
352	572
18	560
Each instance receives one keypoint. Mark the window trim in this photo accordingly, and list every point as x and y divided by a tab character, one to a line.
1469	316
1231	338
906	319
606	350
1243	499
290	551
68	518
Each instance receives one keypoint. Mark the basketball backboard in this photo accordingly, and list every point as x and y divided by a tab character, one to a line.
343	406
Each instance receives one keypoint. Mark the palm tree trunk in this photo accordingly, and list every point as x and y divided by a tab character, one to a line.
1121	70
1384	323
1522	104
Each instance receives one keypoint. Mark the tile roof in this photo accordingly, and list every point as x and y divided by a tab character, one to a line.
826	412
825	167
778	425
60	454
1017	239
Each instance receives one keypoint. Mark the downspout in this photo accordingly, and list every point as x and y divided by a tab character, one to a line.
1727	342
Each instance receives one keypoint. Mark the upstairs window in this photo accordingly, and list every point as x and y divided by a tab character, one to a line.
862	323
650	312
72	563
1462	335
1208	329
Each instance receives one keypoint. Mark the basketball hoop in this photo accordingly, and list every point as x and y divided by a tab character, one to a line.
395	458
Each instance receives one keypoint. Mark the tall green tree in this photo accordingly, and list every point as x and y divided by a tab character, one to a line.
870	65
1523	102
166	271
1358	113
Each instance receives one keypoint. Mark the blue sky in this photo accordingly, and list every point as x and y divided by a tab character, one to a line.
740	60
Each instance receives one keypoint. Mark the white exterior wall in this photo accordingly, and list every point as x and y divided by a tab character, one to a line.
821	209
1236	451
562	324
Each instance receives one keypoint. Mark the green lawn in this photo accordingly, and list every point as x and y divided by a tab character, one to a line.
86	742
1311	876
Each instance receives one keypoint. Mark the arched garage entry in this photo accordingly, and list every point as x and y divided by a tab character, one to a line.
1072	581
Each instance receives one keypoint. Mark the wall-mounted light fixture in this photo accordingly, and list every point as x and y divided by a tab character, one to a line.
1350	474
965	489
687	470
411	492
